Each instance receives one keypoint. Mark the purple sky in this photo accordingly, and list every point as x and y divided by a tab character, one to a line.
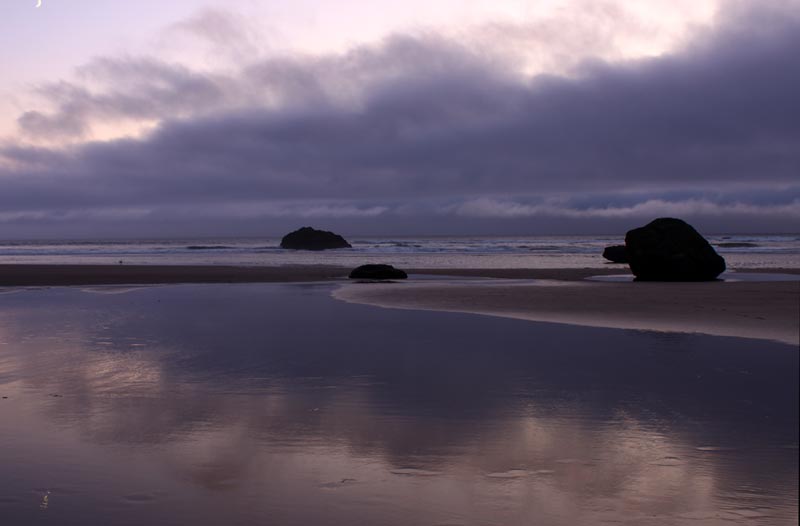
183	118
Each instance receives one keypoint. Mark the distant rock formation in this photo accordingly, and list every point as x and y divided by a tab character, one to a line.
308	238
616	253
377	272
669	249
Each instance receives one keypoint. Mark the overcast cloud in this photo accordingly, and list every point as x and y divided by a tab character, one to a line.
420	133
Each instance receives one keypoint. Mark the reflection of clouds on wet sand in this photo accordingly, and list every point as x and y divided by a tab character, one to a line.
269	441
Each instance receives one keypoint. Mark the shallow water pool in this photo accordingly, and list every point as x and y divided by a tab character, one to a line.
275	404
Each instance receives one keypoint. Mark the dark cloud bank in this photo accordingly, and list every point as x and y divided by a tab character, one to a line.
425	135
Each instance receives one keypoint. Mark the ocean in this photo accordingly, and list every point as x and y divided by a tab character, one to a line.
739	250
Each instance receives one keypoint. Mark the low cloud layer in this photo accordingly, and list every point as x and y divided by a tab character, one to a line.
423	128
485	207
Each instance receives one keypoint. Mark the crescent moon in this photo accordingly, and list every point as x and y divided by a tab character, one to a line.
38	3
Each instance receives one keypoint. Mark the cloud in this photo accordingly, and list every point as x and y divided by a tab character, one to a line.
93	214
238	210
124	89
299	209
220	28
425	117
493	208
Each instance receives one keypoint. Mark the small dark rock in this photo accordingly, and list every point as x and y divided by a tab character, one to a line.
669	249
377	272
308	238
616	253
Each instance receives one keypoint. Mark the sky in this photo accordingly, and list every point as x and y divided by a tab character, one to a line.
190	118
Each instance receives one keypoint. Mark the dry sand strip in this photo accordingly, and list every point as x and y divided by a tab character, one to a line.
59	275
32	275
764	310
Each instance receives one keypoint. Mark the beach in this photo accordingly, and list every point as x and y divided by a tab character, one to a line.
206	394
750	309
40	275
417	263
235	403
767	310
46	275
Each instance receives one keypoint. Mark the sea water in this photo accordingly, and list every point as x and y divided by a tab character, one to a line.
740	251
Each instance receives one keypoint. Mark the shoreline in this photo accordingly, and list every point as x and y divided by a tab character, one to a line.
33	275
750	309
767	310
43	275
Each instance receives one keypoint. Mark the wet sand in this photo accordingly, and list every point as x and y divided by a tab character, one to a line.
765	310
64	275
277	404
26	275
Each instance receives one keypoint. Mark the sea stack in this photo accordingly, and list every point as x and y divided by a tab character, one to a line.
669	249
616	253
378	272
308	238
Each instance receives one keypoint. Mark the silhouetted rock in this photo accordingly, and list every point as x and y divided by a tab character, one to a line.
308	238
377	272
616	253
669	249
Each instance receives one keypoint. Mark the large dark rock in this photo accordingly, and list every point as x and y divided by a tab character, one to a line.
377	272
616	253
669	249
308	238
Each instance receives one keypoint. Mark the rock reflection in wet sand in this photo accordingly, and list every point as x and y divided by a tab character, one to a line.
244	404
